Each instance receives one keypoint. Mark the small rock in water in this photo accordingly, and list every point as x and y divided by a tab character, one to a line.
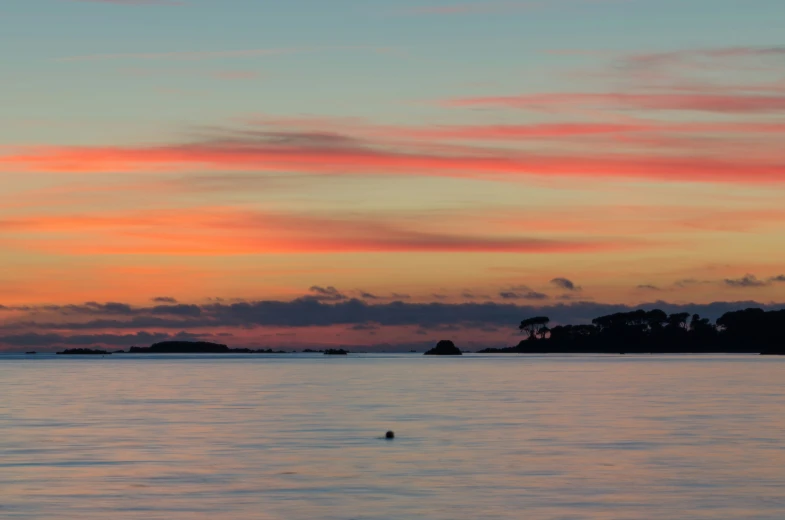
444	348
390	435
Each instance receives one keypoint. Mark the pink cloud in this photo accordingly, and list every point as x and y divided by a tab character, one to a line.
335	155
726	103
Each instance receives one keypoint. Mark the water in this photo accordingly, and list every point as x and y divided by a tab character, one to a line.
480	437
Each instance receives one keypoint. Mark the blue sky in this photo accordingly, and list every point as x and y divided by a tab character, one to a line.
375	58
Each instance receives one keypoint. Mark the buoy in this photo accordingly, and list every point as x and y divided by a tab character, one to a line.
390	435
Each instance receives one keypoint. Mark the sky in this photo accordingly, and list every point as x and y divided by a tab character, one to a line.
383	173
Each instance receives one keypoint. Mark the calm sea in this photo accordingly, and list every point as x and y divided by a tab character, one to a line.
479	437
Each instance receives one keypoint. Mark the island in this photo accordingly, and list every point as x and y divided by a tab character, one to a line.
444	348
750	331
196	347
335	352
84	352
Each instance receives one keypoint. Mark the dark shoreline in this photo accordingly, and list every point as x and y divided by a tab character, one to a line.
534	351
749	331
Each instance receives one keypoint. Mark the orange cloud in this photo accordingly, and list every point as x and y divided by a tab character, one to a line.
334	155
226	232
634	220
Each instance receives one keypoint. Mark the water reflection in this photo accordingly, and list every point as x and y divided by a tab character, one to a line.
477	437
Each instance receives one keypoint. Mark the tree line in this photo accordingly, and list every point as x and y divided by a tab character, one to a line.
640	331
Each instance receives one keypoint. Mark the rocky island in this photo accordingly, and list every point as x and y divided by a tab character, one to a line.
444	348
196	347
84	352
182	347
335	352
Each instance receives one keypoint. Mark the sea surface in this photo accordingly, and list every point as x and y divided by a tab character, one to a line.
478	437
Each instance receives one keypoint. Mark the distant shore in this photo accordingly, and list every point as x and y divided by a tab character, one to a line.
635	350
749	331
190	347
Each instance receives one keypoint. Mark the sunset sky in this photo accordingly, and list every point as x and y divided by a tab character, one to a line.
373	172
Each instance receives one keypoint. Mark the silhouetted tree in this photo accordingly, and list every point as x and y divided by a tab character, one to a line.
754	327
655	319
748	330
572	333
700	324
533	326
678	320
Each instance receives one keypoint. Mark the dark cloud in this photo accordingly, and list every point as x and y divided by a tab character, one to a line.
325	294
136	322
24	308
309	312
688	282
104	308
648	287
523	295
111	309
176	310
365	295
748	280
54	340
565	284
365	326
88	308
468	295
164	299
440	327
